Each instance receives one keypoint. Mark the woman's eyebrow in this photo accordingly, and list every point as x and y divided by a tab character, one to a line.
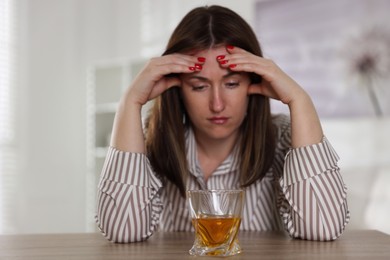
231	73
227	75
198	77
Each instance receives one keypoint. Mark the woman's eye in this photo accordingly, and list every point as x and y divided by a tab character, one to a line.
198	88
232	84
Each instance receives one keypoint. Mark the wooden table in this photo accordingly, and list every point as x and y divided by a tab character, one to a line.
354	244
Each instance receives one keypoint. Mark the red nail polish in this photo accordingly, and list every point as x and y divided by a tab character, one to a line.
230	47
220	57
198	66
232	66
223	61
201	59
192	68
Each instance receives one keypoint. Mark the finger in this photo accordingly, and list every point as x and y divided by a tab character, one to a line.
172	82
180	59
255	64
163	85
244	67
234	49
156	73
261	89
254	89
179	64
171	70
245	61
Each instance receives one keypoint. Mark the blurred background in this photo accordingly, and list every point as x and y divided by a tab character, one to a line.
65	63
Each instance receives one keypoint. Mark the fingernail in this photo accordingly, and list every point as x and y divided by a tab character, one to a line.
230	47
198	66
191	68
201	59
223	61
220	57
232	65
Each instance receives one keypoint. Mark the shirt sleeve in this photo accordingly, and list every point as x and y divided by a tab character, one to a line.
128	204
314	196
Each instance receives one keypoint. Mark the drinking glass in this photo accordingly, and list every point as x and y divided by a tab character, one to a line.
216	217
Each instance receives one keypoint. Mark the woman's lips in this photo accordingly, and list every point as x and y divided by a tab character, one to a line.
218	120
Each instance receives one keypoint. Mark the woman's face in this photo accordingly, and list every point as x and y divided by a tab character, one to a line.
216	99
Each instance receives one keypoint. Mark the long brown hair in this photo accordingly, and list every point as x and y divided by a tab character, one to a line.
203	28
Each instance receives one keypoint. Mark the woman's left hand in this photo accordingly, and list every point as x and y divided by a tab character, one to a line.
305	124
275	83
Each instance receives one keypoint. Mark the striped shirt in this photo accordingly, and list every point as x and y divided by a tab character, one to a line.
303	193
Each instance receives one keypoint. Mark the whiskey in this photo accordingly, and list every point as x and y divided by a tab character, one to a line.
214	231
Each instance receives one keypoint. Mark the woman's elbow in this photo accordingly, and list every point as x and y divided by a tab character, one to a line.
124	237
321	234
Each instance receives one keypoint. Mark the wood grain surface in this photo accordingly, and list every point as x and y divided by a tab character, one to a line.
354	244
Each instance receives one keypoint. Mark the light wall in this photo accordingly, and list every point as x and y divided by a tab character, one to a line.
364	152
59	39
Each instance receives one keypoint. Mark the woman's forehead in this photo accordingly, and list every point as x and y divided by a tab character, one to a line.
210	51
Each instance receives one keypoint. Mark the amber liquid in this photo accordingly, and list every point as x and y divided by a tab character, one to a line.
214	231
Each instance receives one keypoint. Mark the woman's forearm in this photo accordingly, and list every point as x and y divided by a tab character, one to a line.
305	124
127	132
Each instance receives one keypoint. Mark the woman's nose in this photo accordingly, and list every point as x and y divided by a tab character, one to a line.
217	103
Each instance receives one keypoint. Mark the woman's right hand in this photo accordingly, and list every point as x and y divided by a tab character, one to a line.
127	133
152	81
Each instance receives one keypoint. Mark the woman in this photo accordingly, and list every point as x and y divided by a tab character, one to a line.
211	128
